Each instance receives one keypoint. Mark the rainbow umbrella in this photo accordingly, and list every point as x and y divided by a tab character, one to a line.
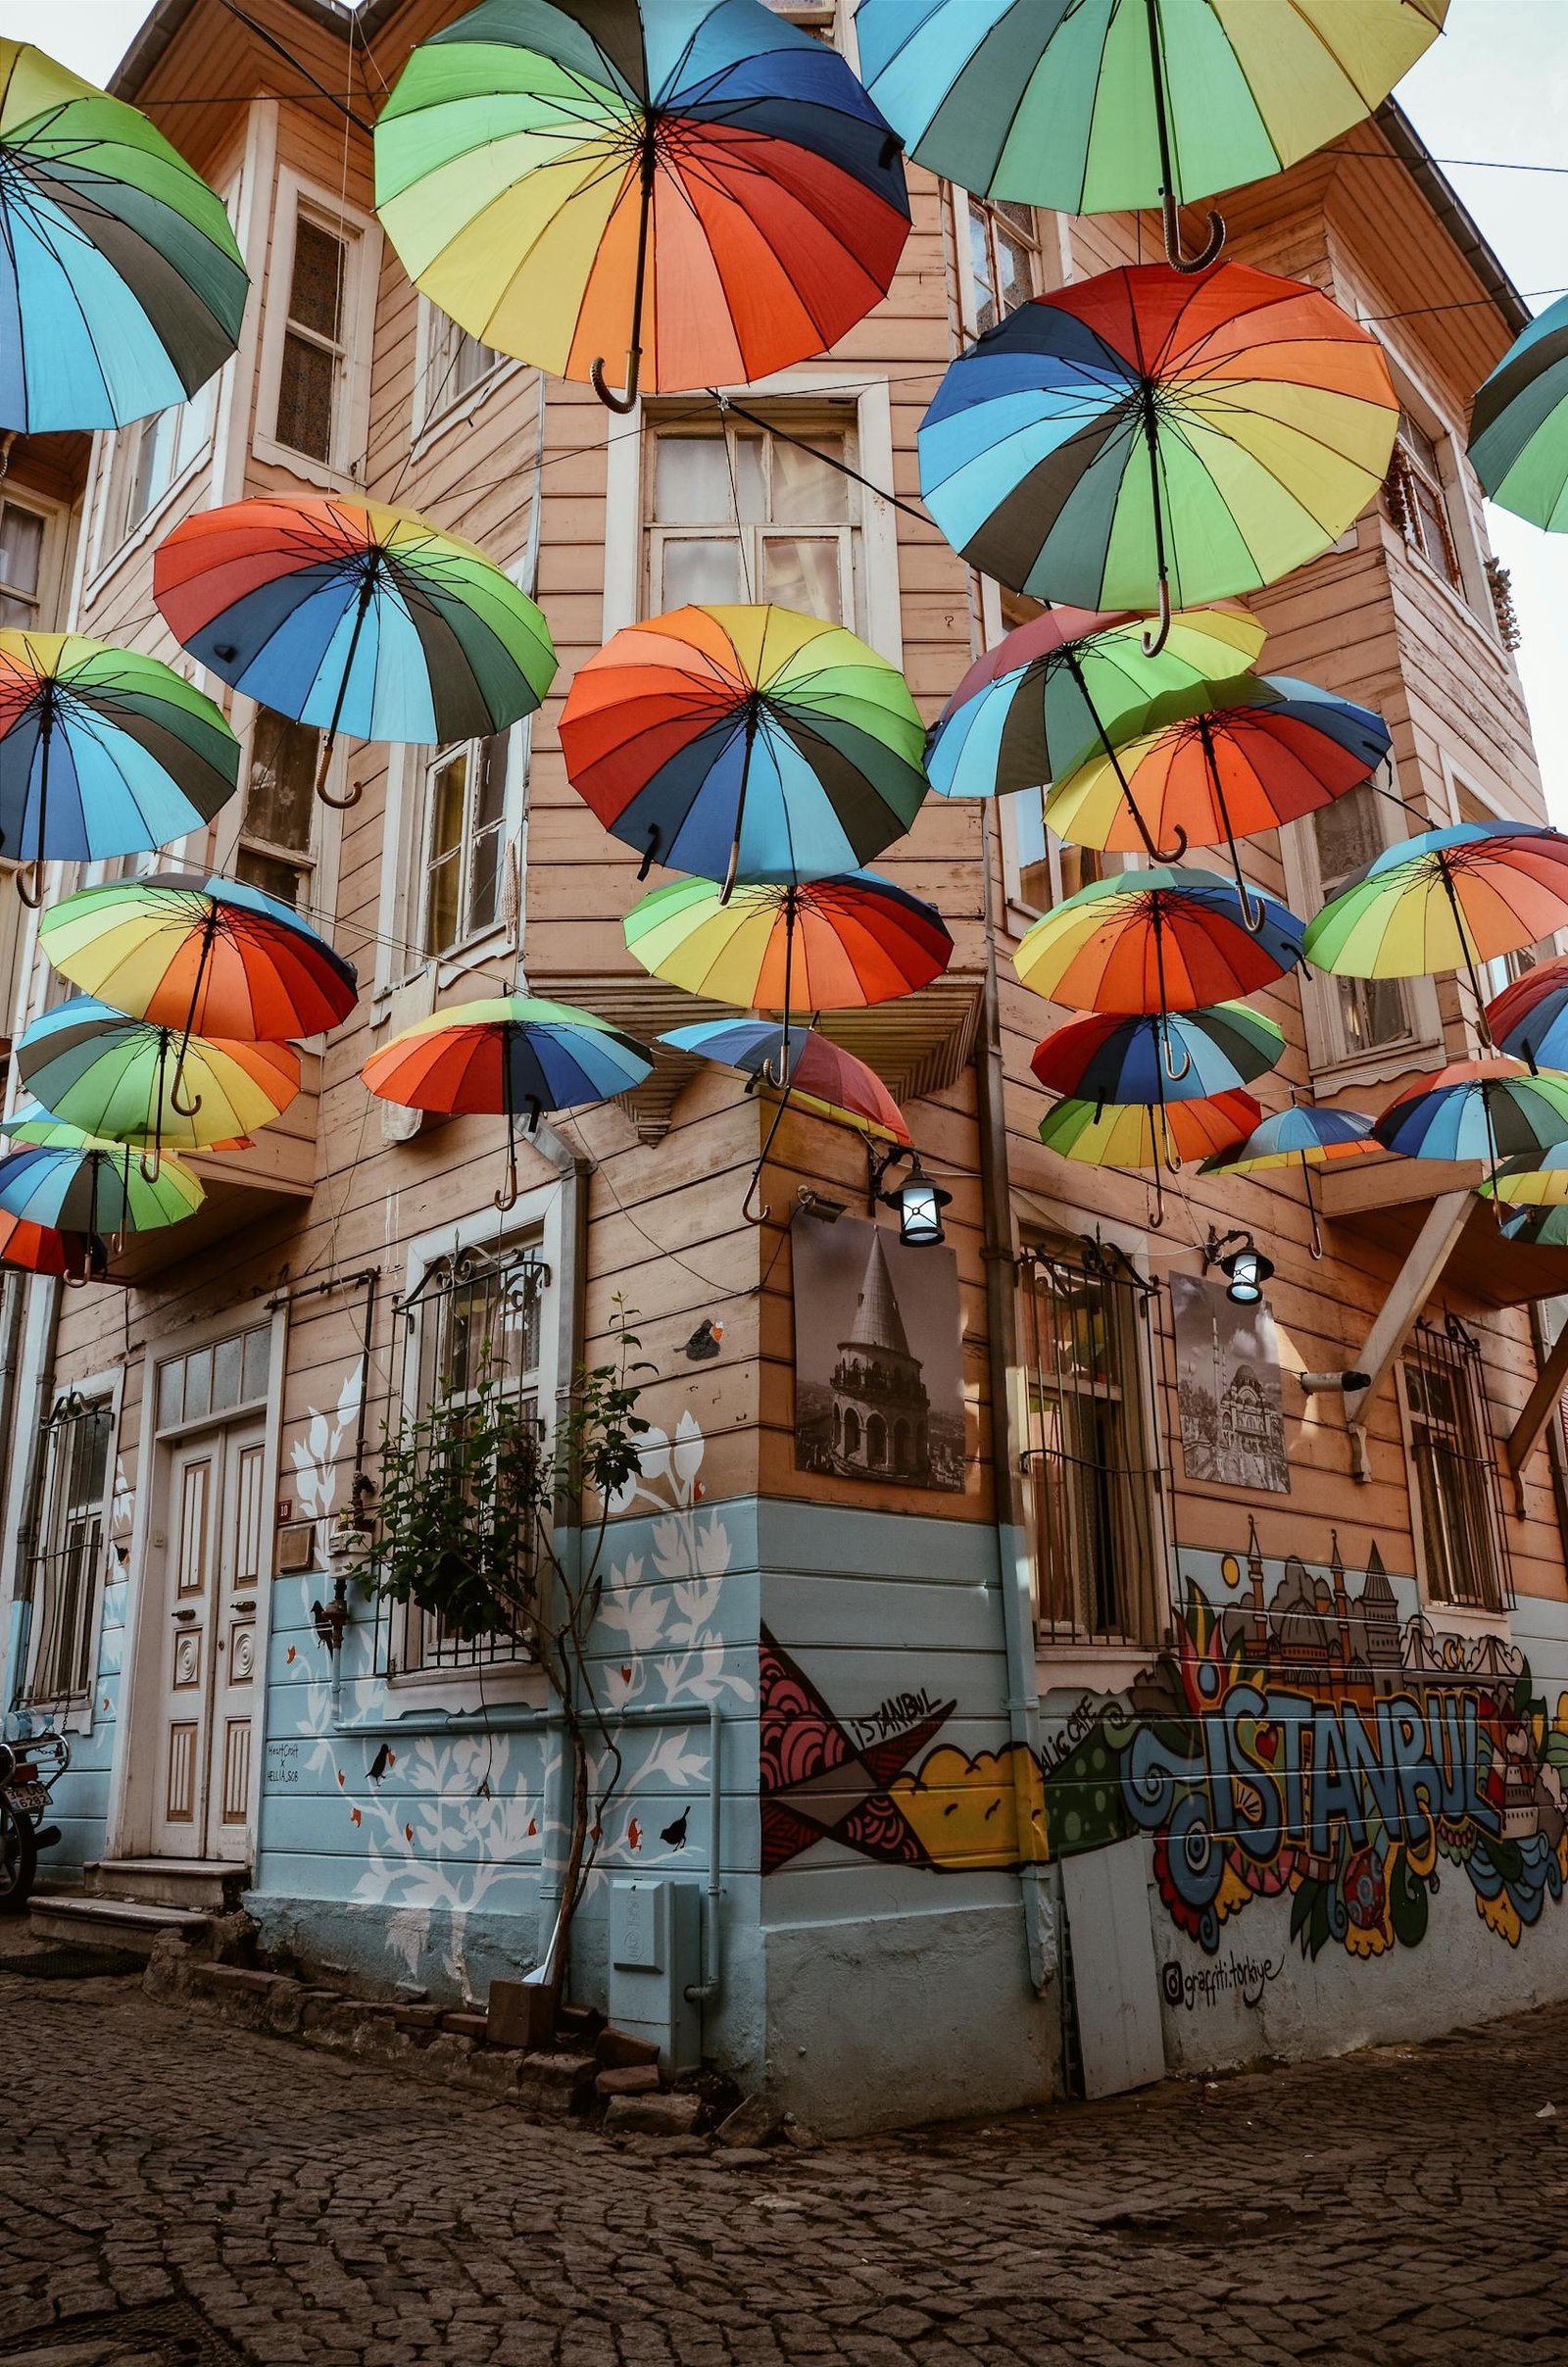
1535	1180
1218	761
702	182
120	286
745	743
1541	1228
1096	106
38	1248
503	1056
1528	1018
1486	1110
1157	941
1519	426
1184	1055
826	944
1031	709
1446	900
210	956
1139	1134
817	1075
354	616
1142	437
93	1188
1299	1137
91	1067
102	752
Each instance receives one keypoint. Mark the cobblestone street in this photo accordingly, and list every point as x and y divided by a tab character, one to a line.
179	2190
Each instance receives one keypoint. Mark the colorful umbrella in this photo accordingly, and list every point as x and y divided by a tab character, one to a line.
113	1076
355	618
745	743
210	956
1031	709
102	752
1184	1056
93	1188
1142	437
503	1056
1519	426
704	182
1446	900
38	1248
1488	1109
1299	1137
817	1075
1541	1228
1530	1017
1094	105
1218	761
1537	1180
120	286
1157	941
1138	1134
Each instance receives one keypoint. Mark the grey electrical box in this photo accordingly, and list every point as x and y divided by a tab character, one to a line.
655	1955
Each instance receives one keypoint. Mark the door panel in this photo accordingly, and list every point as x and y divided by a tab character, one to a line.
214	1566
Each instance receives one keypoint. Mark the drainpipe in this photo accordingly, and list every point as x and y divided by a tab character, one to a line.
22	1466
1002	1329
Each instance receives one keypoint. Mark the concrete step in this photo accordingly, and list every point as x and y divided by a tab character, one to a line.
206	1886
126	1923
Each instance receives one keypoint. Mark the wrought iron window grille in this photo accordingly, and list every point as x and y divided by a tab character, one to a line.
1457	1491
63	1547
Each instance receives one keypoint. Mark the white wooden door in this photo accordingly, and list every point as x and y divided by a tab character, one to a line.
1115	1979
216	1531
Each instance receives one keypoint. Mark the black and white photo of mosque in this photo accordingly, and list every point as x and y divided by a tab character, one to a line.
1228	1388
878	1391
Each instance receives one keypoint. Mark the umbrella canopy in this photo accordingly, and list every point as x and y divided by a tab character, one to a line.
1530	1017
1158	940
120	286
703	184
1486	1110
504	1056
103	750
1299	1137
818	1075
746	743
1137	1134
1519	426
93	1067
1052	692
1446	900
1543	1228
1185	1056
1536	1180
94	1188
1145	438
210	956
1093	108
38	1248
830	945
354	616
1219	762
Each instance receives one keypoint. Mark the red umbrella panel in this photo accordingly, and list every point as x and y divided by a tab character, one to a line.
38	1249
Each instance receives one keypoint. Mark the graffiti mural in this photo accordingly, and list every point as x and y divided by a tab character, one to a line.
1306	1740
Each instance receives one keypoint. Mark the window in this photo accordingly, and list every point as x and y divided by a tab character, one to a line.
153	455
455	361
1087	1325
473	1317
466	797
1457	1506
314	349
818	16
996	249
739	512
1365	1013
274	851
21	548
68	1547
219	1379
1047	870
1418	504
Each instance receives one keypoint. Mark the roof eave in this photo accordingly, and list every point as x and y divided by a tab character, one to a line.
1455	217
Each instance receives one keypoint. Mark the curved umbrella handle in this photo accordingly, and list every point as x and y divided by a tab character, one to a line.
651	856
31	896
152	1165
339	805
174	1103
621	403
1155	642
764	1212
1175	853
1211	248
1174	1073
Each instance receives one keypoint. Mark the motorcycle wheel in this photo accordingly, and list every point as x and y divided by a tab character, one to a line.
19	1860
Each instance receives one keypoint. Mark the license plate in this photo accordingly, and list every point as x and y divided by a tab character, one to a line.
30	1798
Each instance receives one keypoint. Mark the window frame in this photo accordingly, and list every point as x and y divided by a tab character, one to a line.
436	408
1472	596
72	1712
293	196
306	863
477	756
54	520
535	1226
751	535
1479	1462
961	210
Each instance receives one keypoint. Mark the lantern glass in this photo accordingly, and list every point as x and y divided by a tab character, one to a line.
919	1213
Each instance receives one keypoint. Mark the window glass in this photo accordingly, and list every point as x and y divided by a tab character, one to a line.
466	806
1002	247
312	341
21	563
720	504
198	1384
1348	834
66	1547
281	796
171	1393
1455	1470
227	1358
257	1358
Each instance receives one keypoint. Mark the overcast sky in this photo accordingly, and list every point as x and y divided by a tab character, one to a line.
1494	87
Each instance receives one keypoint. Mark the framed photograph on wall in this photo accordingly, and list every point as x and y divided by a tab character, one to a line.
878	1356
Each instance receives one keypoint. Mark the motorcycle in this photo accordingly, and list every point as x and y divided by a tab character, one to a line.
29	1770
